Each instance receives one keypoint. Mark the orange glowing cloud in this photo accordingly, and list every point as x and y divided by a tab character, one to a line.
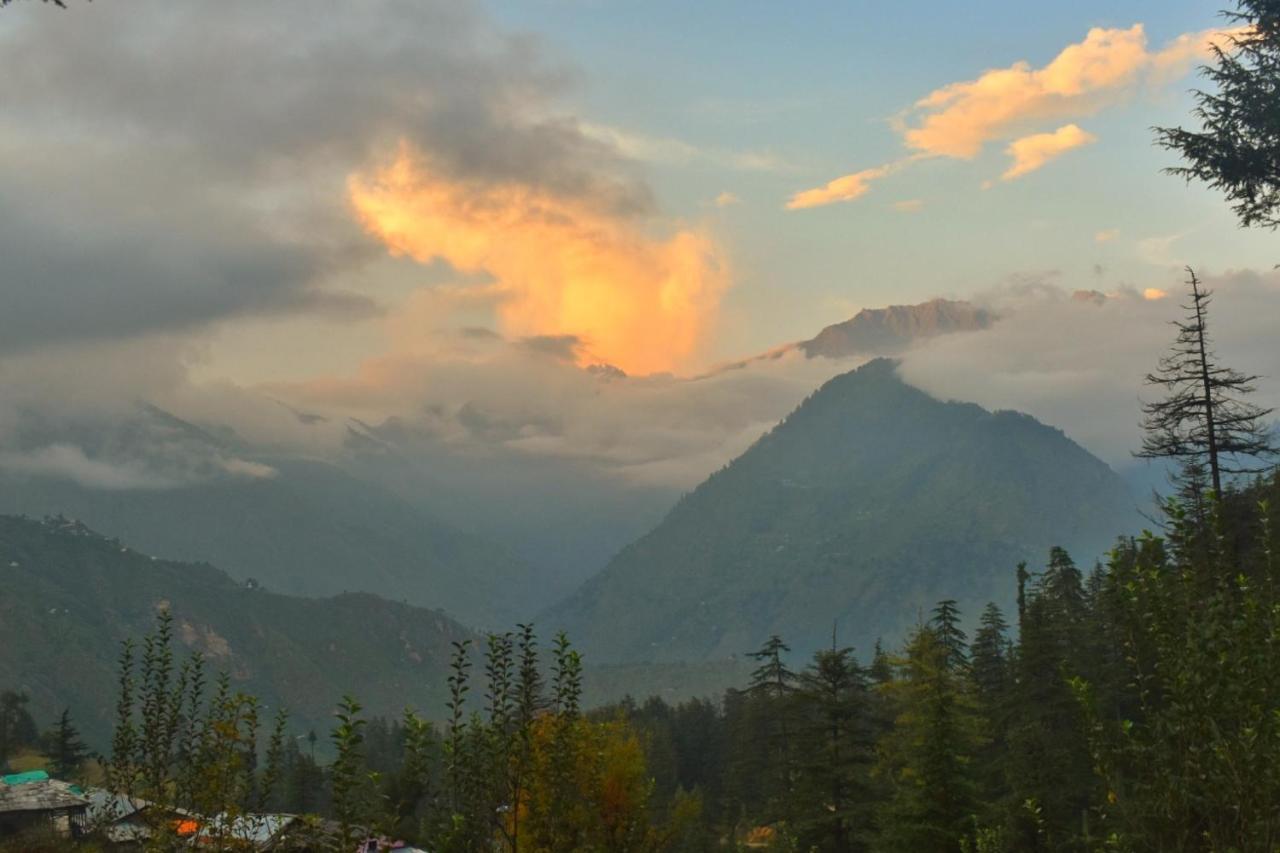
845	188
1031	152
561	266
1012	104
1153	293
957	120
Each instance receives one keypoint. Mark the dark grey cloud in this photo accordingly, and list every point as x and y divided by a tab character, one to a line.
168	164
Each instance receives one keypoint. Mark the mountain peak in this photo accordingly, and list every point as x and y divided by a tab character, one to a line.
867	504
885	331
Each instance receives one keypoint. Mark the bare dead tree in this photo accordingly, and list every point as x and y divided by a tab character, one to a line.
1204	419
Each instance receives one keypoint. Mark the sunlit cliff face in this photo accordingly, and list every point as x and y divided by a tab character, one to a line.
560	265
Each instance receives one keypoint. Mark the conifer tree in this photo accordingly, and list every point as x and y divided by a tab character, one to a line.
1204	418
773	685
927	757
833	733
1050	770
1237	150
65	749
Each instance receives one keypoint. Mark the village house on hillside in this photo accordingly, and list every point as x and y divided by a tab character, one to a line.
32	802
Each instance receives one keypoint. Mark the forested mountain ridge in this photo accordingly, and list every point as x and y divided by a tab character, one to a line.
868	503
68	596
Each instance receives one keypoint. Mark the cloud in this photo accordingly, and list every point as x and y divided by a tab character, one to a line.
1078	364
1158	250
910	205
727	199
958	119
845	188
560	265
1154	293
1031	152
65	461
1106	235
154	186
676	152
1016	103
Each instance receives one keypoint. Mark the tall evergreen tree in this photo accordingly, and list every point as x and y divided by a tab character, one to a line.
831	813
17	728
1203	418
66	752
1050	770
1237	150
928	755
773	686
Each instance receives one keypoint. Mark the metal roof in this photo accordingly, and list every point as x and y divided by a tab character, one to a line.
40	794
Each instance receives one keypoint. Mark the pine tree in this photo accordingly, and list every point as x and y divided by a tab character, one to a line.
773	685
831	814
1238	149
65	749
1050	771
17	728
1204	418
928	755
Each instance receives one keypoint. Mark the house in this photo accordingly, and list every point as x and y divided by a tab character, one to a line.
34	803
125	820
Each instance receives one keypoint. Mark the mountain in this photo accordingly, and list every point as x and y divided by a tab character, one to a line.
297	526
888	331
68	596
862	509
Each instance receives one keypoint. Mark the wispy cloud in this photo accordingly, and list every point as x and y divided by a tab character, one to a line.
727	199
910	205
677	152
1106	235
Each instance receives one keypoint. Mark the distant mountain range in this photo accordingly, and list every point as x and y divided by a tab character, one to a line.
68	596
298	526
856	514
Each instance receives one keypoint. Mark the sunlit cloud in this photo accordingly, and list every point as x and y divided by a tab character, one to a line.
1031	152
957	120
560	265
1151	294
845	188
1106	235
727	199
1016	103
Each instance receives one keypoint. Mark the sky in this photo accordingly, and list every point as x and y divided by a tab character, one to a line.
404	209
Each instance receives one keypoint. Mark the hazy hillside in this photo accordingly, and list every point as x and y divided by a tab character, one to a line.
868	503
308	529
69	596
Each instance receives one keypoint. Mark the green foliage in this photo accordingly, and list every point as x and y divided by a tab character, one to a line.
1237	150
62	745
17	728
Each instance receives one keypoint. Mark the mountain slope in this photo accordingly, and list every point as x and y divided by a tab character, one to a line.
864	507
887	331
69	596
307	528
